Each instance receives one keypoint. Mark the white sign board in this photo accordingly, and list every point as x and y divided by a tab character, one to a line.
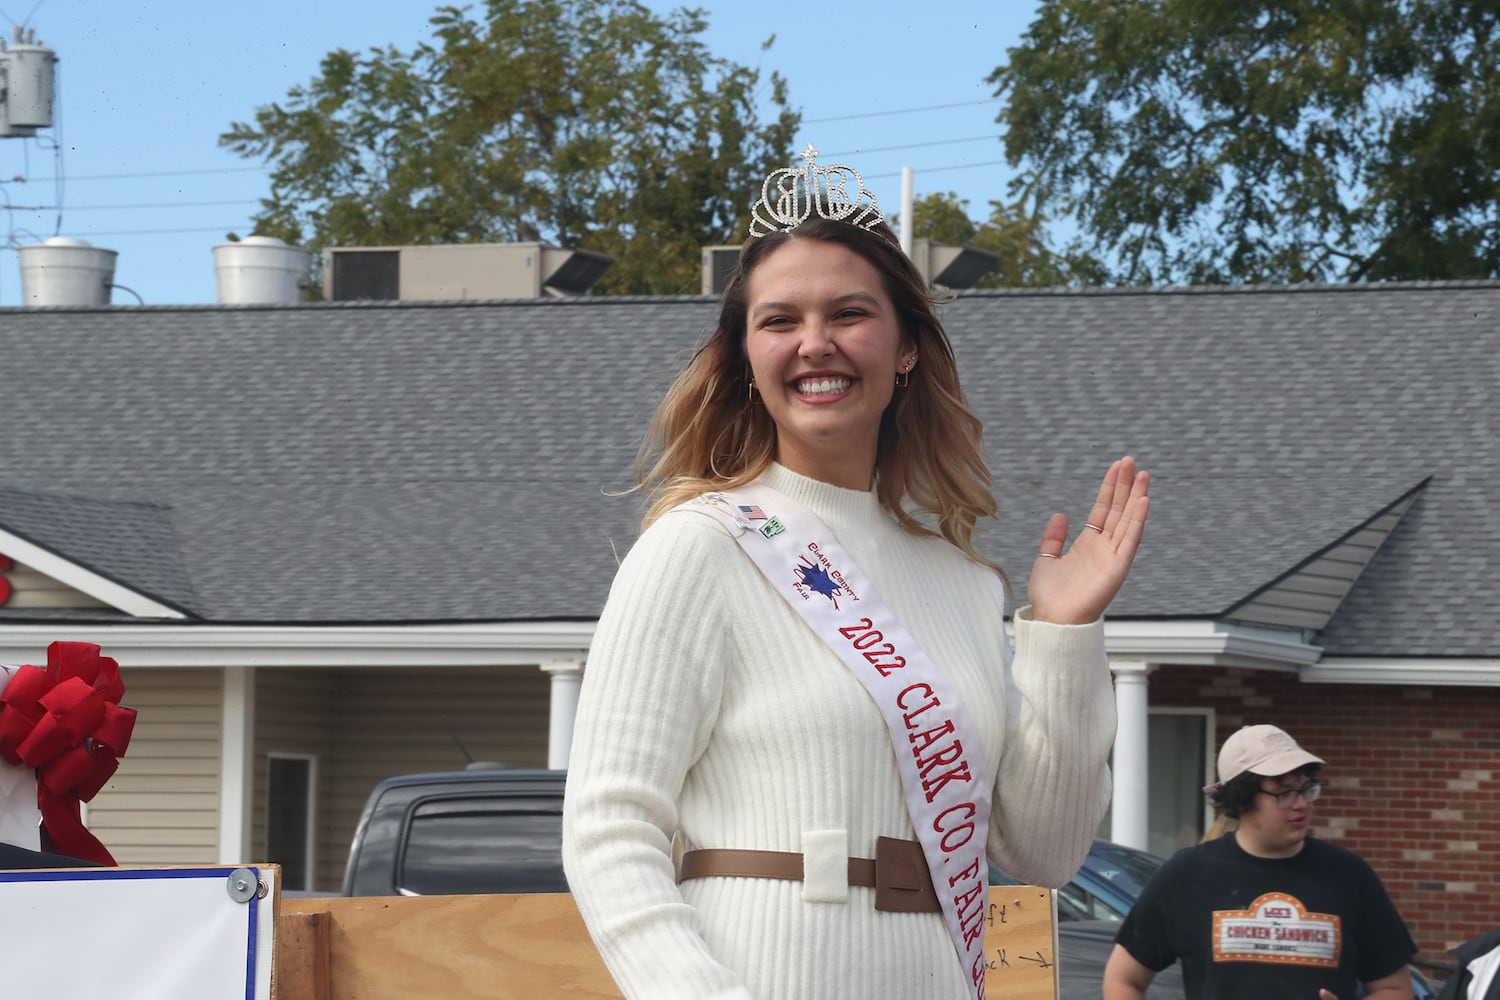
137	933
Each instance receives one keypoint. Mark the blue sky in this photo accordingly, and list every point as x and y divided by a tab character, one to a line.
144	90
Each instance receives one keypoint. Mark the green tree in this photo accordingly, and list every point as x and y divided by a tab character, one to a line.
1269	140
593	124
1020	240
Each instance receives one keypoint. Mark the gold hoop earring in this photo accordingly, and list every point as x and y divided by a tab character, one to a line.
750	397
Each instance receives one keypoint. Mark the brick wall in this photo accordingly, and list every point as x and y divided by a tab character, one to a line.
1413	782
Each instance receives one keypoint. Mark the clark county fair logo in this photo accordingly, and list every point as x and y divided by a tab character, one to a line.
815	573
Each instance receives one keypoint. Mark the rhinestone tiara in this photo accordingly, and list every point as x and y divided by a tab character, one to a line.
791	195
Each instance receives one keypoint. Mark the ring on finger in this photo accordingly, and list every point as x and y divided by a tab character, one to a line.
1047	555
1096	527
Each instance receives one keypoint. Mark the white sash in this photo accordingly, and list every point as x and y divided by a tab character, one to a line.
937	746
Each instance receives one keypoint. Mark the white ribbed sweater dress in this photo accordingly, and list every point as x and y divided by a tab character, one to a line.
711	711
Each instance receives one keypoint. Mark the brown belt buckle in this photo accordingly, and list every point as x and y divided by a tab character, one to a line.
903	883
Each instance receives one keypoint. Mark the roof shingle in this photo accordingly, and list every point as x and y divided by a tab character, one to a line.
434	462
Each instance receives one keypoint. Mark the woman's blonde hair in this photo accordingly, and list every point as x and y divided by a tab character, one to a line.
710	433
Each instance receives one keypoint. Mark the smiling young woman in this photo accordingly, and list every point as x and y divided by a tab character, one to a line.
805	598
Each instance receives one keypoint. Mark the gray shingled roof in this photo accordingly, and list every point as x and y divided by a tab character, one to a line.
131	543
431	462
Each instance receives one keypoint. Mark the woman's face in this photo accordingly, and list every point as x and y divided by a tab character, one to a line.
824	345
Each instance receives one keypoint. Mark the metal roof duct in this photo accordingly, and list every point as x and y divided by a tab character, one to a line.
261	269
65	271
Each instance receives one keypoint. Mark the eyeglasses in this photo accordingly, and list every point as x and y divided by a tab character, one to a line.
1287	796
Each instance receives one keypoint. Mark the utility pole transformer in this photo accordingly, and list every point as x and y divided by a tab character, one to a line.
28	70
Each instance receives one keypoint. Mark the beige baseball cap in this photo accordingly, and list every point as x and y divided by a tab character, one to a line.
1263	750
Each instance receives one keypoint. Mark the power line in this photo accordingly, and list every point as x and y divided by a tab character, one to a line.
914	145
808	121
158	232
921	171
159	204
898	111
225	228
164	173
28	16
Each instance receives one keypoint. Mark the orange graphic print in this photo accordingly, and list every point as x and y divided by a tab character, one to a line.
1277	928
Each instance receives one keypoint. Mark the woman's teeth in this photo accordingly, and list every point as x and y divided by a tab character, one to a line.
819	386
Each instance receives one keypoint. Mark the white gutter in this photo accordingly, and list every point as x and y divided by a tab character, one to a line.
457	645
1197	643
1206	642
1413	671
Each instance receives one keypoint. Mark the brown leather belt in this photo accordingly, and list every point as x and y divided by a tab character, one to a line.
898	872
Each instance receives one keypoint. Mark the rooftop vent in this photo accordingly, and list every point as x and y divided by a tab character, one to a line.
261	269
460	271
65	271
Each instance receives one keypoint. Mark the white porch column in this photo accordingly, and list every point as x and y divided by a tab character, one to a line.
236	760
1130	813
567	678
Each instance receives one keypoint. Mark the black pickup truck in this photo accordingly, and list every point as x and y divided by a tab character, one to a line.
459	832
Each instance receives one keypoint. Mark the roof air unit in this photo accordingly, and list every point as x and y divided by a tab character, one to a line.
952	266
65	271
459	271
719	263
261	270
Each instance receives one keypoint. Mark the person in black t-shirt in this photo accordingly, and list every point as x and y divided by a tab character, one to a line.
1265	911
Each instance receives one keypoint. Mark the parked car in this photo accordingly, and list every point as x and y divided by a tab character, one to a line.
459	832
501	831
1083	948
1105	887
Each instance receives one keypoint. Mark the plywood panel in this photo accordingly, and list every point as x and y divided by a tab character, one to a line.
510	947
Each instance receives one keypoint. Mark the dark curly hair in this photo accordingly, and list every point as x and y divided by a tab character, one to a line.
1236	796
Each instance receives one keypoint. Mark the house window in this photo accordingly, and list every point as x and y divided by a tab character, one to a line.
1181	756
291	789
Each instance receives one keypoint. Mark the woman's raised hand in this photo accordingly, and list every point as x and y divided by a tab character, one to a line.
1074	586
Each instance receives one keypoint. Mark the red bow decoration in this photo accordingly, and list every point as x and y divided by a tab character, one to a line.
67	723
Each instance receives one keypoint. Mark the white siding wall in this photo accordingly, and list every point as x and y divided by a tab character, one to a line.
162	805
30	589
